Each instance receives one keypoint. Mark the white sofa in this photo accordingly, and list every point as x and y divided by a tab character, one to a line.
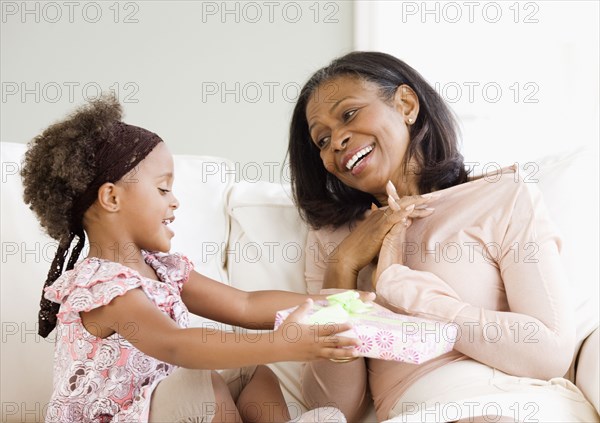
248	235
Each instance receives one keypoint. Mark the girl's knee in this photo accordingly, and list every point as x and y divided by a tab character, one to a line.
225	408
265	373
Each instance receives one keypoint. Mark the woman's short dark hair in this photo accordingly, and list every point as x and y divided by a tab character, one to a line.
322	198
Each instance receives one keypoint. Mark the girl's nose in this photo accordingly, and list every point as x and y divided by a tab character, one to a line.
175	203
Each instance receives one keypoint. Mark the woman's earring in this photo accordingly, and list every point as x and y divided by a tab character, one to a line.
410	121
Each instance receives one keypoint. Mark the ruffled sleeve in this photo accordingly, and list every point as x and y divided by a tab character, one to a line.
173	269
94	283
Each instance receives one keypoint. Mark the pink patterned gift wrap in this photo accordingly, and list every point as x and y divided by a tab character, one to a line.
383	334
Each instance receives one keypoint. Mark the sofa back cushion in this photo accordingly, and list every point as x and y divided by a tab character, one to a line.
202	185
26	257
266	251
267	239
569	184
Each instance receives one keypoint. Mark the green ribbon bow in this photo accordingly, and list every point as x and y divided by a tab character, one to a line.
340	307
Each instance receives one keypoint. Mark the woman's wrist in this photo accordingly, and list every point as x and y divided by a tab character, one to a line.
340	275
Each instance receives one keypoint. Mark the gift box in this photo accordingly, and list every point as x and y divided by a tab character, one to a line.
382	333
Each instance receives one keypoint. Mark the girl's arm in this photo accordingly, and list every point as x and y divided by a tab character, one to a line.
220	302
159	336
254	310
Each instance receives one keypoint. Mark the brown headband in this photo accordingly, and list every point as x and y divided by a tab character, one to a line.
115	156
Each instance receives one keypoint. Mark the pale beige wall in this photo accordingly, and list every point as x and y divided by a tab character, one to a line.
211	78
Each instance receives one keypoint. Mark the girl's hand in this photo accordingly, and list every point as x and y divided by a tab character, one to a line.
309	342
392	246
367	297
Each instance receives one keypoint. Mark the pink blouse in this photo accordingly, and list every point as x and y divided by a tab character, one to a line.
487	259
109	380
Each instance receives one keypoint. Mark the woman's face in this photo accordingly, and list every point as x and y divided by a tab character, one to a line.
362	139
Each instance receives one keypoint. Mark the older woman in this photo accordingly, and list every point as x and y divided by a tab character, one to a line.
377	174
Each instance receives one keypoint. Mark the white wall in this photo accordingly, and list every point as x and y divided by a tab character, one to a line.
170	62
521	76
523	79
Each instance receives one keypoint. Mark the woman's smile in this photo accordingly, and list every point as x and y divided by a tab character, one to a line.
356	161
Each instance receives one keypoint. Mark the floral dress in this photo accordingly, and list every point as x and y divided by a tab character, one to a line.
109	380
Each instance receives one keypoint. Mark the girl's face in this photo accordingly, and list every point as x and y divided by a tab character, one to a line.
362	139
148	203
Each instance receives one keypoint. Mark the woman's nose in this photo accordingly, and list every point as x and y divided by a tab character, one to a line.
340	141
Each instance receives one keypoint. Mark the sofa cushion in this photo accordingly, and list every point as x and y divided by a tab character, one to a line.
588	369
202	184
569	183
267	239
201	226
266	251
26	257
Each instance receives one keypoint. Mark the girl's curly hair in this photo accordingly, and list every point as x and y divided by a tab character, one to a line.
60	163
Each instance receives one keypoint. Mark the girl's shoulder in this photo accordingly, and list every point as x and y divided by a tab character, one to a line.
173	268
92	283
95	282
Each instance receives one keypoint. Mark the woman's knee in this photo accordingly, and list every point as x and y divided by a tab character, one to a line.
323	386
264	373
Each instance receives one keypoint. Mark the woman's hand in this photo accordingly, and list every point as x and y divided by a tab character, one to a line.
309	342
365	241
392	246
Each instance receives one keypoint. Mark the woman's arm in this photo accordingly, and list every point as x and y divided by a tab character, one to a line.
536	338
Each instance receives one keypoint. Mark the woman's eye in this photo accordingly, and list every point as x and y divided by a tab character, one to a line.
322	142
347	115
164	191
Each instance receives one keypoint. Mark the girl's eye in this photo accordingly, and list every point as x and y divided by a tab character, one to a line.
349	114
164	191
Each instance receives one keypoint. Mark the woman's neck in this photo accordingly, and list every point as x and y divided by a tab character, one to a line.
406	181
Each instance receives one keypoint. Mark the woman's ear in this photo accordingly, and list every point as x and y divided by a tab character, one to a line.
407	103
108	197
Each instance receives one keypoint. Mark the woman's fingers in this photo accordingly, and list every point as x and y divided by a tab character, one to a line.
399	213
428	211
390	189
410	212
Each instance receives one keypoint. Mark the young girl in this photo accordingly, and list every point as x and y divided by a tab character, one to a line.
122	349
